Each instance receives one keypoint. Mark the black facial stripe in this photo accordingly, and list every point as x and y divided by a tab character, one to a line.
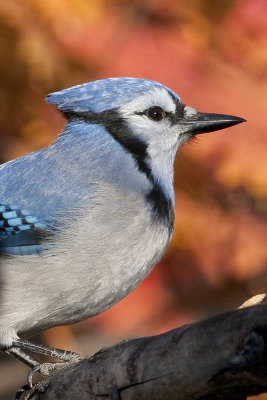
161	205
176	100
178	115
179	110
118	128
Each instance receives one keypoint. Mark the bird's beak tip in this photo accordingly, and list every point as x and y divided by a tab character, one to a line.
213	122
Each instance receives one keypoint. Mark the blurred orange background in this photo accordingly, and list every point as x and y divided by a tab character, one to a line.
214	55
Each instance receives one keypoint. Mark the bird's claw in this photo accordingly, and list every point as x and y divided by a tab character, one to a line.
21	390
32	371
39	387
45	369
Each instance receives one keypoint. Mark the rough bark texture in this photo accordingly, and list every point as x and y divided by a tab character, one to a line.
224	357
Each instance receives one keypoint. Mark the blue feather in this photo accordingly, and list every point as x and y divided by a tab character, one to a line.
101	95
20	232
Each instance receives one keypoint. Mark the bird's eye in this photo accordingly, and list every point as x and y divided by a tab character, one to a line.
156	113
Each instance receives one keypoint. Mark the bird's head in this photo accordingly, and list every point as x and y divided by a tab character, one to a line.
146	118
143	115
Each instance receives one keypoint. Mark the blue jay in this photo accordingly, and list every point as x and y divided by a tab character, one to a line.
84	220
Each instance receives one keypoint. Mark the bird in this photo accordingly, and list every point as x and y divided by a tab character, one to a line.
85	220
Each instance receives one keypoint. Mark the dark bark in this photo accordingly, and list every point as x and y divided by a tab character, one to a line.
224	357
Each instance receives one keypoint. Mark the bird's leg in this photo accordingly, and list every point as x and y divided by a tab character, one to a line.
20	355
48	351
43	368
26	359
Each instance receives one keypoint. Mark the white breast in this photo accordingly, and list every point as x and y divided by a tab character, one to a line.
104	255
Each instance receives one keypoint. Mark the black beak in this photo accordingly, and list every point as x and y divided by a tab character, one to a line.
211	122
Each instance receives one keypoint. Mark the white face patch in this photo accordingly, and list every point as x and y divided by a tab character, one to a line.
160	137
154	97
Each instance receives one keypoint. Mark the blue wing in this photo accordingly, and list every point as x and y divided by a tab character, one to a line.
20	232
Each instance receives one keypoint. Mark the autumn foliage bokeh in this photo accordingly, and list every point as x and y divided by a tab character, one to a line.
214	55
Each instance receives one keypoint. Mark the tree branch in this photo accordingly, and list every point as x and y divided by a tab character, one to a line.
220	358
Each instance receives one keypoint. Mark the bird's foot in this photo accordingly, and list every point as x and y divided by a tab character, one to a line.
39	387
44	369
